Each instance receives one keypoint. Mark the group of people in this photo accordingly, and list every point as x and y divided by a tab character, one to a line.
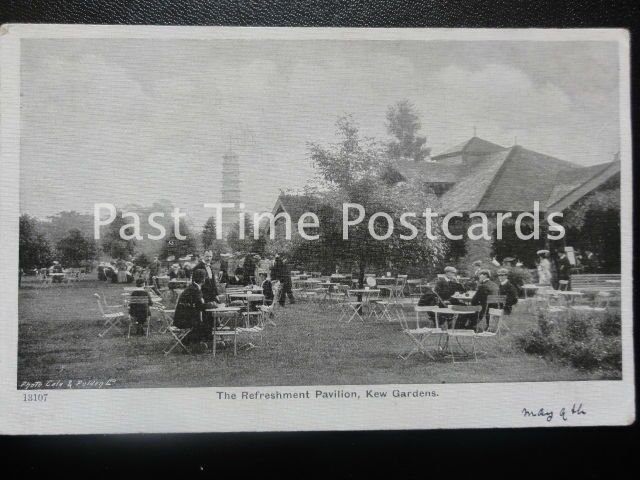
448	285
203	293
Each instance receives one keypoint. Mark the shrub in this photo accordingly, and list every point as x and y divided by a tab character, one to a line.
584	342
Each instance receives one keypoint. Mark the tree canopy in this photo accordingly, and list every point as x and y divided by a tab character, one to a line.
403	124
34	250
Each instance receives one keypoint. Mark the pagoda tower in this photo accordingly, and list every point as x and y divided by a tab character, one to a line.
231	192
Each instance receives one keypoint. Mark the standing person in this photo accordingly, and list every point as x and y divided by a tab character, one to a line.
224	267
507	289
56	268
154	270
485	288
544	268
249	268
281	273
564	268
209	288
191	309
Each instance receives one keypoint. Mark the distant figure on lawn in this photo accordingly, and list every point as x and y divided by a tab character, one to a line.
139	307
191	310
281	272
56	268
544	268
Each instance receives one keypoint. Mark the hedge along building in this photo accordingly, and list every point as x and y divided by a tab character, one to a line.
481	176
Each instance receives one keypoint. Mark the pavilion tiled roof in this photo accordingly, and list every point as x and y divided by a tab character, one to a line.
468	192
525	177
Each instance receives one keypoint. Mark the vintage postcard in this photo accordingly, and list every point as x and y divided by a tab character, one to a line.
262	229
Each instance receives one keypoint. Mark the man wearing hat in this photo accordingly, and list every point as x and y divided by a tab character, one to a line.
507	289
448	285
485	288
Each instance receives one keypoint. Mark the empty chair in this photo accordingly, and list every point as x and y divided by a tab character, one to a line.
111	319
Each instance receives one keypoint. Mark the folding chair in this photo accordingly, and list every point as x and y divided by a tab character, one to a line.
495	323
563	285
178	334
248	314
351	307
497	301
111	320
418	336
268	310
457	334
164	317
223	329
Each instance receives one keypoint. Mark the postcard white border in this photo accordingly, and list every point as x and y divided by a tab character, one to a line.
155	410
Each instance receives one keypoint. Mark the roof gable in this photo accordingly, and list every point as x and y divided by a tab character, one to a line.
473	146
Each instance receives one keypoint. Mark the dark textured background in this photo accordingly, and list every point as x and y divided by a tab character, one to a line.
585	452
359	13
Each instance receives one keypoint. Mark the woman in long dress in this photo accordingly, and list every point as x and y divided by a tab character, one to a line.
544	268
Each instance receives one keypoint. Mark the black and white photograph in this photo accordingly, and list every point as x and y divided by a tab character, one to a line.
332	216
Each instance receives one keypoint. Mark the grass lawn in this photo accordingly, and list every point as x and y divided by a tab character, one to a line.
58	340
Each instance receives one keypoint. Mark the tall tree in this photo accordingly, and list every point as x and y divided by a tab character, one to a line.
113	244
403	124
34	250
75	249
209	240
351	173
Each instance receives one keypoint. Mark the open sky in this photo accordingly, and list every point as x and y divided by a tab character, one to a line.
135	121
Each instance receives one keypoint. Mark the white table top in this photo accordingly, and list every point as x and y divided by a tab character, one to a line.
224	310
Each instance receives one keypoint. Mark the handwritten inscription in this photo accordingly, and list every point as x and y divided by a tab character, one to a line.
564	413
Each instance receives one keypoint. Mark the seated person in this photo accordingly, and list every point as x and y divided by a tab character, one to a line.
174	272
429	298
267	288
237	278
191	311
449	285
485	288
507	289
139	310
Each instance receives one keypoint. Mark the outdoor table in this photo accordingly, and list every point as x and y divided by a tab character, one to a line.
529	286
363	297
464	297
570	295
